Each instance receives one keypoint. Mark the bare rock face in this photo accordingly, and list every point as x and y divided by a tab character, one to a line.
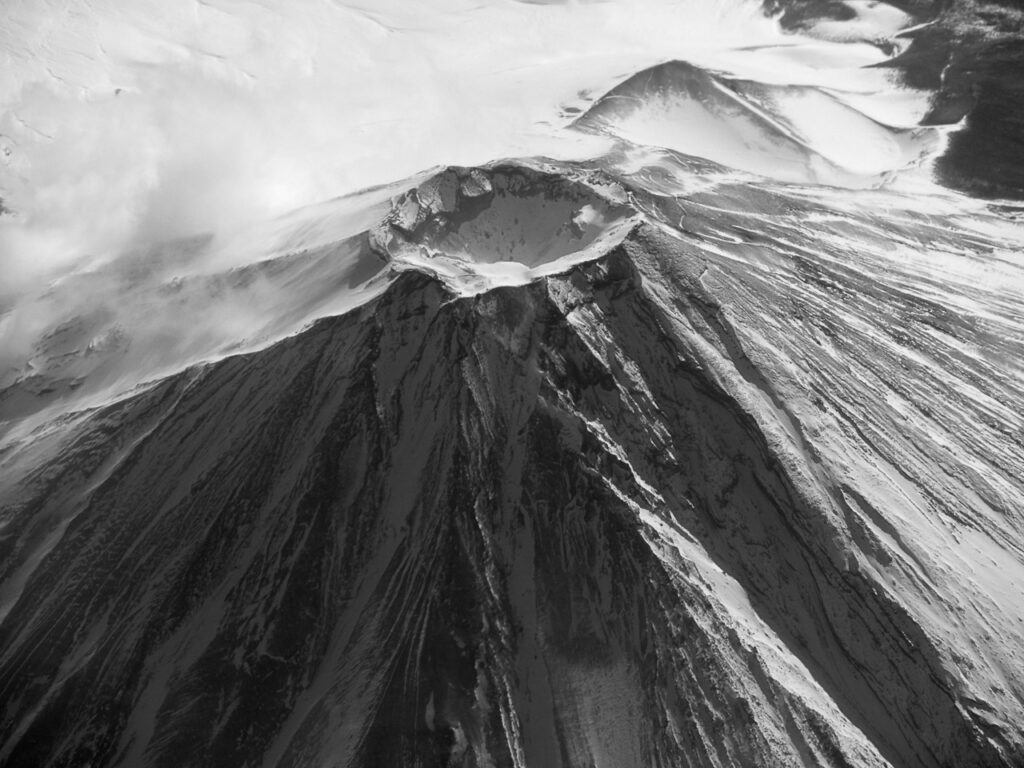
567	523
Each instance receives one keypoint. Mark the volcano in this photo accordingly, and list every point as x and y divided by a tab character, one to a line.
701	447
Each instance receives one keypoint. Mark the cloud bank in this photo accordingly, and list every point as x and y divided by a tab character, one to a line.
133	123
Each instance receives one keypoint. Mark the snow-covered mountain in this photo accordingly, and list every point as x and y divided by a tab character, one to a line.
677	425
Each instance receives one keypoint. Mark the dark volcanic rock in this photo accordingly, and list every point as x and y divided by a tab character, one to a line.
488	530
984	82
973	55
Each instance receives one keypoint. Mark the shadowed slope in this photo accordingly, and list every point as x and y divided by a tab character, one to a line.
539	526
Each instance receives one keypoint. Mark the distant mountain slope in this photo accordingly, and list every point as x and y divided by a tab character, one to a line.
972	53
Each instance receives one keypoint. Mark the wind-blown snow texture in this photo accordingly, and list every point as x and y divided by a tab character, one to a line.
638	460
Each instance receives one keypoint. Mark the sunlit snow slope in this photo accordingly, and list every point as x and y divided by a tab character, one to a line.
677	422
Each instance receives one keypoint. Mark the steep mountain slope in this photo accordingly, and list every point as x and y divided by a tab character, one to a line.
674	504
692	436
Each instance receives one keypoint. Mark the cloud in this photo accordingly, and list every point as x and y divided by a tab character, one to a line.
132	125
153	120
178	155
